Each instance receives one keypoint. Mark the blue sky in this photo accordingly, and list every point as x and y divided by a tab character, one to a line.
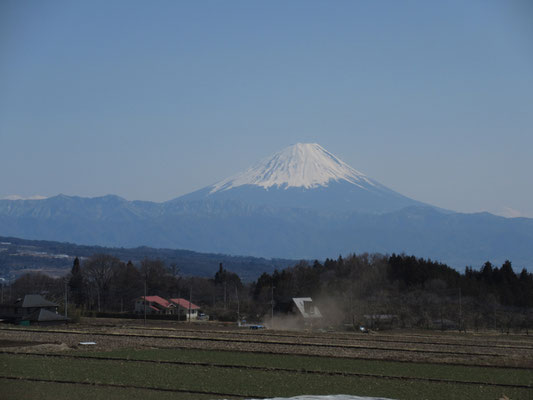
151	100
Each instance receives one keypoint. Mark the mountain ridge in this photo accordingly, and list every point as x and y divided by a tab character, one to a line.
238	228
325	220
305	175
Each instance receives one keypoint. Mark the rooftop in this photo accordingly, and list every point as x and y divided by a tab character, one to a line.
306	307
34	300
159	301
184	304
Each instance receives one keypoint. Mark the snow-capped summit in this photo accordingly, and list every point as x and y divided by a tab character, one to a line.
304	175
306	165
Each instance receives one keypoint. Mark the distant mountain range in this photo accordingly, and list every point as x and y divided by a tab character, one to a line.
303	202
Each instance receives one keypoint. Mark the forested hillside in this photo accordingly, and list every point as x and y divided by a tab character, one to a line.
56	258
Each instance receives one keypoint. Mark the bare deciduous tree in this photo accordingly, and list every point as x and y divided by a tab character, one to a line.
99	272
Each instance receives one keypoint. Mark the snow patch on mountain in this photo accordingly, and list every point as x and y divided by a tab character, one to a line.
306	165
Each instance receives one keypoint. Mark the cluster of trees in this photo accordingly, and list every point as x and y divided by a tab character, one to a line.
414	292
104	283
360	289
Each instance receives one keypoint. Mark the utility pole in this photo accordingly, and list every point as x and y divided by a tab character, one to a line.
460	312
179	306
224	294
238	306
98	296
144	302
272	304
190	303
66	298
351	303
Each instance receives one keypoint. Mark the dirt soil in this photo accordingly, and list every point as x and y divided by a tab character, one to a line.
489	348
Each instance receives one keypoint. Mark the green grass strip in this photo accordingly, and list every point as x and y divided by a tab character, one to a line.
331	364
238	381
21	389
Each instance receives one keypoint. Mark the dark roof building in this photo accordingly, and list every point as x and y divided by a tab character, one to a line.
32	308
43	316
34	300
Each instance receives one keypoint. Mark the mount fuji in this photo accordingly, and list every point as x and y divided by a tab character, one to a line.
305	176
301	203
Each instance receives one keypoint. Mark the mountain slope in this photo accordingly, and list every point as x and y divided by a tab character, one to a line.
306	165
301	203
233	227
305	175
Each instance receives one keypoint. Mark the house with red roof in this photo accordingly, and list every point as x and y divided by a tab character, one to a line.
184	307
154	305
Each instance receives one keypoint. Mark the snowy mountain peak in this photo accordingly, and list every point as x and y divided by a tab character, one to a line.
306	165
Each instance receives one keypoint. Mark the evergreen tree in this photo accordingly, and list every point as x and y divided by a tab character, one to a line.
227	282
77	283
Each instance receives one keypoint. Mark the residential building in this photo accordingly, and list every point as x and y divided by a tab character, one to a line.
32	309
184	307
154	305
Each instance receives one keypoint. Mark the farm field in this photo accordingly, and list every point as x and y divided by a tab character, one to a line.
211	361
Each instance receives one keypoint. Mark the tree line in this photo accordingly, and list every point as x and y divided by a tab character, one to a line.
360	289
